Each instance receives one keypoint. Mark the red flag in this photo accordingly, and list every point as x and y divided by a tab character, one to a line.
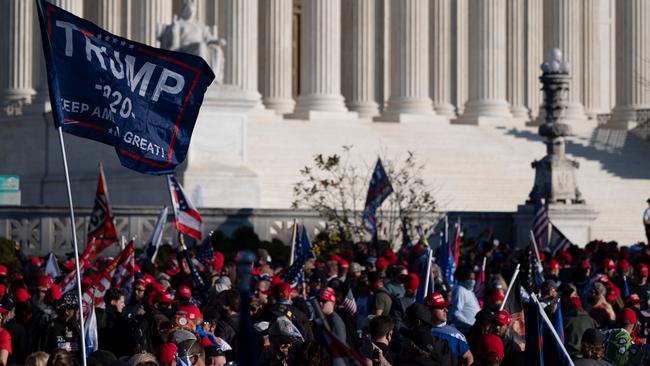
101	229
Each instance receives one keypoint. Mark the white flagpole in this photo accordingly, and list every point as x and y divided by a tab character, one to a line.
171	198
294	234
512	281
427	278
539	261
76	248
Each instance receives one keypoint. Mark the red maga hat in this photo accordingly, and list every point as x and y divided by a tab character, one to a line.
502	318
327	294
490	348
436	300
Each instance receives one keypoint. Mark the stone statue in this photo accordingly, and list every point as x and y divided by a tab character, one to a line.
187	34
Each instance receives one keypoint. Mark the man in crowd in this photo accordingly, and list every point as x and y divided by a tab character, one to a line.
439	308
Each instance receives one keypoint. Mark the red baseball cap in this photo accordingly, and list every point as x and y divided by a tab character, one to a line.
623	265
21	295
566	256
184	292
44	282
608	264
642	268
496	296
164	297
412	282
584	264
55	292
633	299
327	294
166	352
382	264
627	315
140	282
344	263
3	270
3	311
192	311
553	264
502	318
490	348
283	290
436	300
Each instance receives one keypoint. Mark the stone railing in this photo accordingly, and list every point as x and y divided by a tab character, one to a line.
47	229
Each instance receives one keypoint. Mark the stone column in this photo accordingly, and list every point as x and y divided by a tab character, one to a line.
632	62
16	38
76	7
362	57
564	31
149	16
534	55
460	48
440	57
320	56
409	83
108	15
592	59
516	59
275	54
487	55
238	19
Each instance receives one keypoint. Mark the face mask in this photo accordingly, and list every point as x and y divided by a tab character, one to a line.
468	284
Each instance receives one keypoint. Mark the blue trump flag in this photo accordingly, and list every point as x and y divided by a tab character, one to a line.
379	189
142	100
446	259
543	345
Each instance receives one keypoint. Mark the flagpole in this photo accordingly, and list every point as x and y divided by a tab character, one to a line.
294	234
539	261
76	247
427	278
512	282
171	198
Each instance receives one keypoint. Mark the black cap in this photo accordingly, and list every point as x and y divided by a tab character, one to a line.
593	336
420	312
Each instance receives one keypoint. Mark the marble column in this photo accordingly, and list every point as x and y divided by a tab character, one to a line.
487	72
564	29
632	62
108	15
362	57
76	7
16	36
460	14
239	21
320	62
275	54
409	42
440	57
148	18
534	55
516	59
592	59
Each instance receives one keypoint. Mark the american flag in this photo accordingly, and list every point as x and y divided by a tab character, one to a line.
205	254
540	226
186	217
349	303
295	274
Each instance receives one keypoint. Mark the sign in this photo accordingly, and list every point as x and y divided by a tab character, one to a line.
142	100
9	182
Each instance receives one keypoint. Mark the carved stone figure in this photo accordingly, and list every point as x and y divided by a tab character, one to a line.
187	34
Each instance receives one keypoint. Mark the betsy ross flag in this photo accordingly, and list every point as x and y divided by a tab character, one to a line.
295	273
143	101
101	227
187	219
543	345
379	189
540	227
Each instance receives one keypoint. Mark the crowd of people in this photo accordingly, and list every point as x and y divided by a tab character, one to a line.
358	305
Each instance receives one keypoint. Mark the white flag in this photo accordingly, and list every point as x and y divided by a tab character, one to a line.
52	267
